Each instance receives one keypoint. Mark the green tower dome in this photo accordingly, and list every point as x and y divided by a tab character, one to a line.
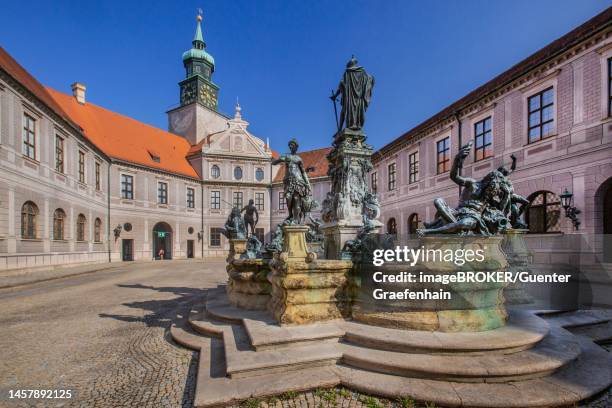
198	49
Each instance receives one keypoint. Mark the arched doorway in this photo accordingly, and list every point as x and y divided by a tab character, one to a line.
606	211
391	226
162	239
413	223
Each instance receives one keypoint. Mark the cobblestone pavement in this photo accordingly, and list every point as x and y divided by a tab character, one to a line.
105	336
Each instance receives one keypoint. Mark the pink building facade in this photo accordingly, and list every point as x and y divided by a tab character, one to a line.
552	111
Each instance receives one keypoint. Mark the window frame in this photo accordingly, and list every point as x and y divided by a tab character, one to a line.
445	161
391	176
260	200
81	167
214	242
29	228
412	226
60	154
98	230
260	234
215	199
482	136
540	110
282	202
609	83
123	184
238	168
162	192
413	167
215	169
29	136
97	173
81	228
374	182
59	225
190	197
237	199
261	171
545	205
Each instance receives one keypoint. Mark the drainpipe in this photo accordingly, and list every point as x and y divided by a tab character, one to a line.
460	143
108	200
202	218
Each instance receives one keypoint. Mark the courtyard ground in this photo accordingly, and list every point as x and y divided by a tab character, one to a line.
104	335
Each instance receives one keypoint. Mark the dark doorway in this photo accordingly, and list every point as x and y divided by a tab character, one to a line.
607	224
162	241
190	246
127	249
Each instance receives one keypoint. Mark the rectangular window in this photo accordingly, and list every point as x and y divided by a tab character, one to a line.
215	237
29	136
59	154
374	181
391	183
259	234
483	139
609	86
97	171
540	116
259	201
413	167
162	192
81	166
237	201
190	197
443	155
281	200
215	200
127	187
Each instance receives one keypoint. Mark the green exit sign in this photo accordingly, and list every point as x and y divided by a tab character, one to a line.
161	234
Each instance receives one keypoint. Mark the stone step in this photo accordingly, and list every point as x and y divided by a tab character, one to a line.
181	335
219	308
555	351
523	331
578	318
265	336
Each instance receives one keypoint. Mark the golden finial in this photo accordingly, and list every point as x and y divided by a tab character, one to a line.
199	17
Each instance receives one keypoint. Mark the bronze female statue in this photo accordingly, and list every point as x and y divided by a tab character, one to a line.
296	186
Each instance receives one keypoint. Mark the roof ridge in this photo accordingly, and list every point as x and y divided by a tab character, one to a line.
95	106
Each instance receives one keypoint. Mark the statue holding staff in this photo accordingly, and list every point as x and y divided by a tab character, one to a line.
355	91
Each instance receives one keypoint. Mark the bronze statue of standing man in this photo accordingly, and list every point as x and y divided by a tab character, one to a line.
355	90
251	216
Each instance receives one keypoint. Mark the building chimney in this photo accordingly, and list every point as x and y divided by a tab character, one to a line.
78	91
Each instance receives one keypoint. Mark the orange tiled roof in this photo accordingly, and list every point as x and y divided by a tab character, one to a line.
312	158
12	67
127	139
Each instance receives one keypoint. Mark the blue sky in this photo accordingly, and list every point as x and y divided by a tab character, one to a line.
282	58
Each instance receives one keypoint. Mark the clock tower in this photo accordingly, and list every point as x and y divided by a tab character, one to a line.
197	87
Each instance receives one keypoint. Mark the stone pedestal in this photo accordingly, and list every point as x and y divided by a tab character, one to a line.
304	289
472	306
519	259
248	285
336	236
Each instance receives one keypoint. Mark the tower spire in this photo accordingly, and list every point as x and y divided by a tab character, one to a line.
198	39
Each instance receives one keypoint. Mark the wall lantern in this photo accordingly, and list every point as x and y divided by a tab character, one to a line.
117	231
571	212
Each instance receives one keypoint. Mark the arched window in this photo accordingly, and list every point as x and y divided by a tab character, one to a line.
29	214
98	230
391	226
259	174
59	216
413	223
215	172
238	173
81	220
544	212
